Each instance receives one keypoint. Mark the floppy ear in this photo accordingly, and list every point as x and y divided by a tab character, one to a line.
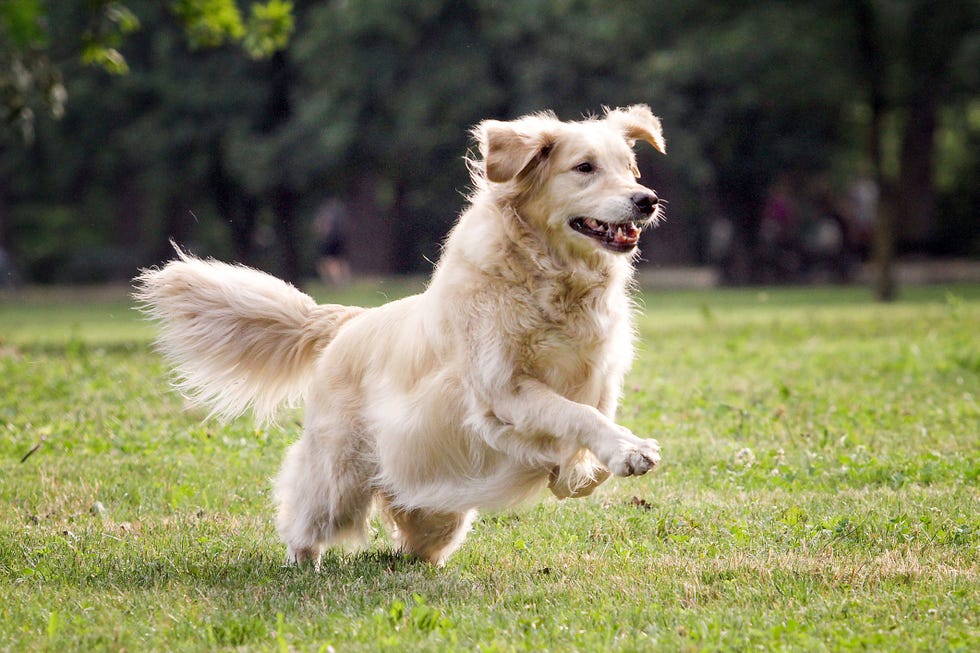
638	123
508	151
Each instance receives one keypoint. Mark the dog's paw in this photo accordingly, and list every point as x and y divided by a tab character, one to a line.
301	556
636	460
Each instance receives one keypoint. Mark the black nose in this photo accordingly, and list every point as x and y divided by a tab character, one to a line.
645	202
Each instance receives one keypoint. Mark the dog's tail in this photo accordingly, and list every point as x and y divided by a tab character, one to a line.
237	338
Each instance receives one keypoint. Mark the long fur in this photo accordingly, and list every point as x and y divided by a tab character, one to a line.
238	338
502	377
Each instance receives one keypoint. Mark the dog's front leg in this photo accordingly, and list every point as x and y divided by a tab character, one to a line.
534	408
577	476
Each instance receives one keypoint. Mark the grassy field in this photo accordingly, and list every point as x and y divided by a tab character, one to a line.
819	491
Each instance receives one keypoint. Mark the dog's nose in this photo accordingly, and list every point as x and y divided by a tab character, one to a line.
645	202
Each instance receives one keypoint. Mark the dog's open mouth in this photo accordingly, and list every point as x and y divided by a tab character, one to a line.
618	237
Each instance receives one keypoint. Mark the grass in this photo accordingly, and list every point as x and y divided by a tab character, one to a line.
819	492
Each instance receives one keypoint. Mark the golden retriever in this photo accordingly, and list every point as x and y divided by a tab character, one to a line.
502	377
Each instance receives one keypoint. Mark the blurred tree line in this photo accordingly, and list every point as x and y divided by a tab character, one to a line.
130	123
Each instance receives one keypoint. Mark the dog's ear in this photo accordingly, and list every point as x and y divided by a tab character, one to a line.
508	150
638	123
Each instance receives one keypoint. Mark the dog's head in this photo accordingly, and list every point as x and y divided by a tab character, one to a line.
575	181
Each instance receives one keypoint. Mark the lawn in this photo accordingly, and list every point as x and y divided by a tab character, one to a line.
820	490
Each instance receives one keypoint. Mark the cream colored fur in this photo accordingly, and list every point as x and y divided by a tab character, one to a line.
502	377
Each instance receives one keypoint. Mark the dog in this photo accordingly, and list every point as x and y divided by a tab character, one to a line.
501	378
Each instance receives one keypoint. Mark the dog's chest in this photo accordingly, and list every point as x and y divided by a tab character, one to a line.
578	342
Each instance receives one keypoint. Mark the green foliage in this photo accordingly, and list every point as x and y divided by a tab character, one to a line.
369	102
210	23
269	28
818	493
101	44
26	74
95	33
22	22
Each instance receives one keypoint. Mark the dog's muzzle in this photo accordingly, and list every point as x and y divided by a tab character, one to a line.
621	236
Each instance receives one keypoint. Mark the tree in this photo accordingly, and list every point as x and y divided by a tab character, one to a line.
743	116
54	50
864	76
385	91
907	53
370	102
37	42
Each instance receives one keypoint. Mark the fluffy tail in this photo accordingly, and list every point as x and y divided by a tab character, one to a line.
238	338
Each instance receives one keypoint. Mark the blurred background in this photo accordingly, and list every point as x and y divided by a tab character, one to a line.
805	138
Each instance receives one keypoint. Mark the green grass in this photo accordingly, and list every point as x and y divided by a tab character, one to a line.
819	491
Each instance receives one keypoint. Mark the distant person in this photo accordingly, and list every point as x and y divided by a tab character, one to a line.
827	236
331	263
779	233
862	209
9	278
779	219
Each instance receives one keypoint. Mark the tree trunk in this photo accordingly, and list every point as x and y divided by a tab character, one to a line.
237	209
917	198
934	34
242	217
4	236
883	239
370	230
282	197
8	276
284	211
872	58
883	247
176	227
129	218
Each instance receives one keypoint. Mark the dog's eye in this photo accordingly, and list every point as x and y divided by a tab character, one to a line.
585	167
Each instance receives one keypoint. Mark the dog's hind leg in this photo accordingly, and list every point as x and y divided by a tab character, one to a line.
430	535
324	497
